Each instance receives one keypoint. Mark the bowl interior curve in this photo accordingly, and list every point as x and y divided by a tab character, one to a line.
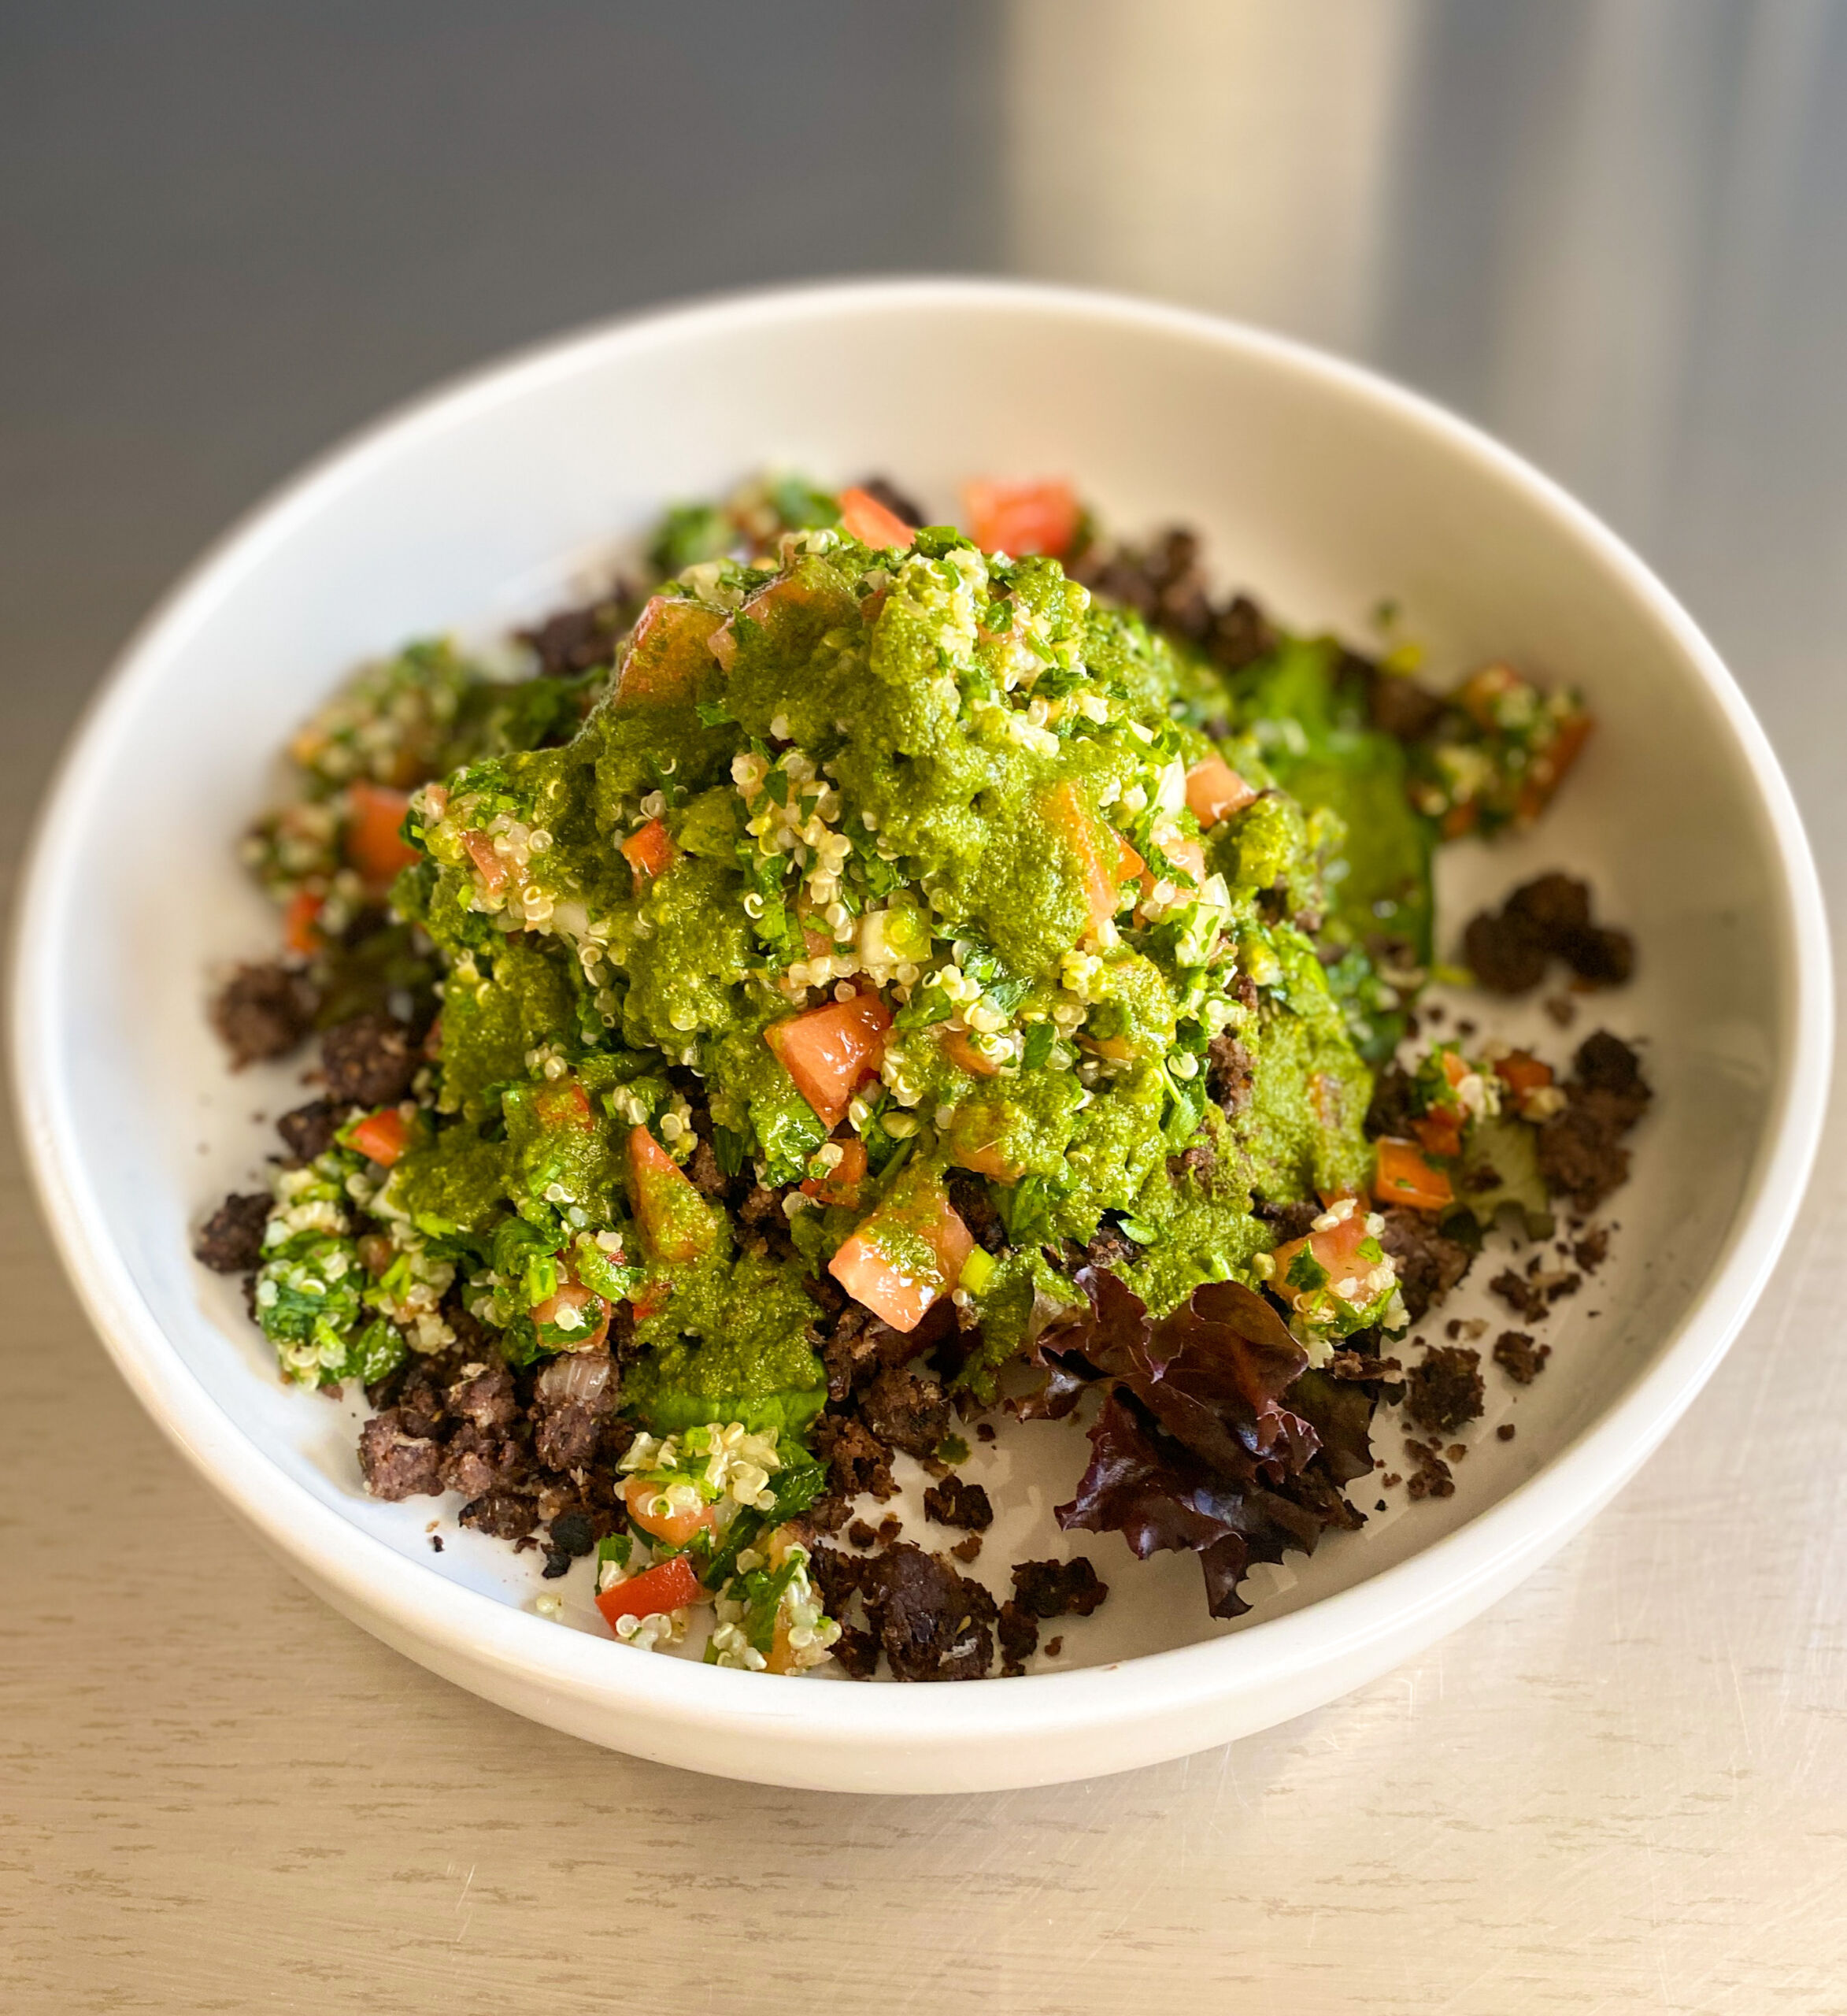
1319	490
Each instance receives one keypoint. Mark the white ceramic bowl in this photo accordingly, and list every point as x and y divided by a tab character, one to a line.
1323	488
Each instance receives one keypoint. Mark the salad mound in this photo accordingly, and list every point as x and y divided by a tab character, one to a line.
882	977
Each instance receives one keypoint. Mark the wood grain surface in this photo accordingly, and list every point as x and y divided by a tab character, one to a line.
1612	232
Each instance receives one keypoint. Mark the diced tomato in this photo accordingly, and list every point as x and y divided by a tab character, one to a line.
872	523
1548	767
299	931
908	1254
1439	1132
677	1222
842	1183
566	1104
649	851
668	1585
594	1329
383	1135
1105	859
671	646
373	844
1523	1072
828	1050
1020	518
961	1051
794	612
1337	1248
488	864
676	1528
1405	1178
1215	791
433	1042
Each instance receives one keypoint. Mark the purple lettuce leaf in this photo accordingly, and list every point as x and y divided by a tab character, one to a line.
1194	1448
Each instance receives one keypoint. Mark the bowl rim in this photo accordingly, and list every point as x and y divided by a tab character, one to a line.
1442	1581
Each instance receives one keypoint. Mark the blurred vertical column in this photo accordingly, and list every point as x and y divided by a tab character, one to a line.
1559	194
1620	243
1612	230
1237	154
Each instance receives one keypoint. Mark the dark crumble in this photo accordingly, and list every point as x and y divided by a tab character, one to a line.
1519	1357
571	1538
1394	1108
1288	1222
449	1421
585	639
1019	1632
1519	1294
857	1651
1358	1365
1510	950
1580	1154
1430	1474
859	1463
1230	1074
967	1547
230	1240
1444	1390
1165	583
894	500
860	1534
931	1623
953	1503
1042	1590
1430	1263
369	1061
309	1131
1505	1432
1054	1646
1592	1248
263	1012
907	1410
1058	1589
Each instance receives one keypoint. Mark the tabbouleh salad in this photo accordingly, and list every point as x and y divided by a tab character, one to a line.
873	979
